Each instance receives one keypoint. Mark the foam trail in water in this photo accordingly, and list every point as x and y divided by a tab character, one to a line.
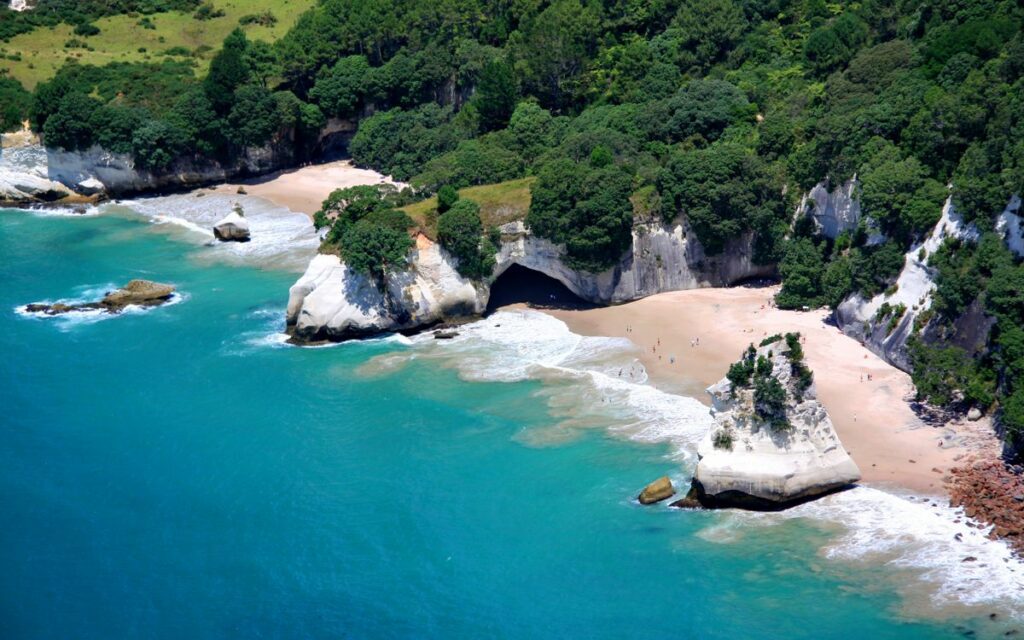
595	381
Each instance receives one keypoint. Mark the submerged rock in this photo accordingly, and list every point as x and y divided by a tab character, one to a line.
143	293
773	444
660	489
232	228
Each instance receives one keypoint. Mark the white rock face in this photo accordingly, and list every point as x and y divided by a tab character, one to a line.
90	186
23	175
21	5
1009	226
330	302
31	173
662	259
765	466
232	227
833	211
914	287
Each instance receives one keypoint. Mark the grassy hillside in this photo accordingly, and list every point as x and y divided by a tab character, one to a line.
128	39
499	203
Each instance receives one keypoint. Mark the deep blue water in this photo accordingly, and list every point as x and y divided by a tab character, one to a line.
166	475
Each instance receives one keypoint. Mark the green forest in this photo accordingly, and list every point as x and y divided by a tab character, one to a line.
719	112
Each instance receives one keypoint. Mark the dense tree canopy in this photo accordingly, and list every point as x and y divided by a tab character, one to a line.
721	113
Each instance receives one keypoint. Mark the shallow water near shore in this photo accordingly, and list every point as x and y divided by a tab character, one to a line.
180	473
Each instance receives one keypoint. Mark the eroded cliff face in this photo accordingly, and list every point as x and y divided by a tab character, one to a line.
833	211
31	173
662	258
748	461
885	330
330	302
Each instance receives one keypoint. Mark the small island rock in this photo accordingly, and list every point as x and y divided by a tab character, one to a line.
143	293
660	489
138	292
233	228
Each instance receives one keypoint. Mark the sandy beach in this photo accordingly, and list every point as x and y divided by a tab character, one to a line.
303	189
865	396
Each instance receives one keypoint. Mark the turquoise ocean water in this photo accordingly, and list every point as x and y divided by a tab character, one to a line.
178	473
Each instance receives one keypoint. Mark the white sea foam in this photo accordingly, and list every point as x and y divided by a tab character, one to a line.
82	211
921	535
587	389
281	238
91	293
925	537
595	381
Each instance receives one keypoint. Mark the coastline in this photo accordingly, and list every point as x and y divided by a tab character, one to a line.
890	444
303	189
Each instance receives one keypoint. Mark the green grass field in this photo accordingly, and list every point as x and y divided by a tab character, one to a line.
499	203
123	38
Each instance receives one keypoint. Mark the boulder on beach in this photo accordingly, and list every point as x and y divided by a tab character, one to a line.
660	489
232	228
773	444
974	414
90	187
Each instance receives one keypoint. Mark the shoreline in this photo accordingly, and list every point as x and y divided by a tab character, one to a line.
303	189
890	444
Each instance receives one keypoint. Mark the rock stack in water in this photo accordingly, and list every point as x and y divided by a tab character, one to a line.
773	444
233	227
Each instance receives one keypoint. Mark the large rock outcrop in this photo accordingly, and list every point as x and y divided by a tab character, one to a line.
332	302
31	173
329	302
764	456
232	227
662	258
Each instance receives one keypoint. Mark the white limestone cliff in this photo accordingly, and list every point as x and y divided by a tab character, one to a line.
31	173
748	462
329	302
833	211
886	334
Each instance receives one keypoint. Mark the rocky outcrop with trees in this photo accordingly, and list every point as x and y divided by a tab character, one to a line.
773	443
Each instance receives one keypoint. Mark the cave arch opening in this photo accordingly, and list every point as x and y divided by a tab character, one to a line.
521	285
